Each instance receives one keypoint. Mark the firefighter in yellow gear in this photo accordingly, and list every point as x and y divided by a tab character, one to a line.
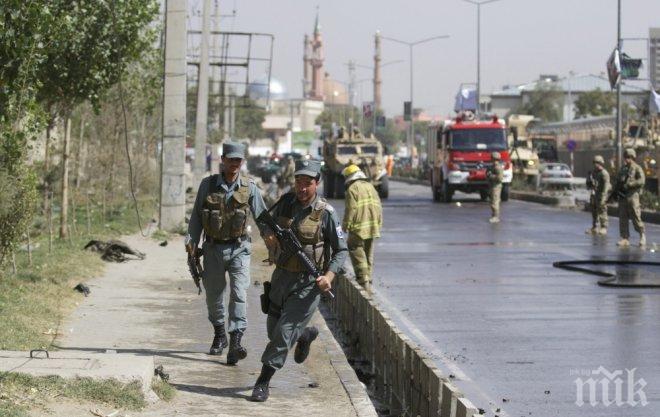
363	219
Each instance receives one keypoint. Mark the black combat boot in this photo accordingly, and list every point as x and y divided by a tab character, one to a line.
260	391
305	340
219	340
236	351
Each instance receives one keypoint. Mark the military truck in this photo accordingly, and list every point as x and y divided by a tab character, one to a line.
524	158
351	147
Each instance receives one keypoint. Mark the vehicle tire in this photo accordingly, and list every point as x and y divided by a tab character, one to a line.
447	192
340	188
328	185
505	192
384	188
483	194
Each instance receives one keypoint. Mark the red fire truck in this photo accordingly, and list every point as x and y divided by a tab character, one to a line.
459	153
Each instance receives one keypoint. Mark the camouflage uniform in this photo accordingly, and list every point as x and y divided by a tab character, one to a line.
294	293
363	218
600	189
630	181
288	180
495	175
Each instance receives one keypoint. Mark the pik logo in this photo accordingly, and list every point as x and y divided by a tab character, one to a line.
610	388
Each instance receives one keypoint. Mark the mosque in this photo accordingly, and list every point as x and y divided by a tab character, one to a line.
291	122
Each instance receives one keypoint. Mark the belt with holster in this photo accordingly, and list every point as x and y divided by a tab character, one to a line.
227	241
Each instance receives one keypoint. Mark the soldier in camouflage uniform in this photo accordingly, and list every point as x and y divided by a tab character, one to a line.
287	179
600	189
495	175
363	218
221	210
630	183
294	293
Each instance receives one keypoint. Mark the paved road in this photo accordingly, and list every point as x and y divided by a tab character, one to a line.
486	303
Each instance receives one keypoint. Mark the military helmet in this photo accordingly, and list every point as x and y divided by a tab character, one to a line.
599	160
496	156
630	153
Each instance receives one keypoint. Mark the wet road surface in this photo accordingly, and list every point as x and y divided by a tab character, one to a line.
485	302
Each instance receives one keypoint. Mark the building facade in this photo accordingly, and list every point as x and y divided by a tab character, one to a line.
654	57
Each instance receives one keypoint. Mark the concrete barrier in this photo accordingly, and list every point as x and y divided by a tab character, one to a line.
559	201
404	378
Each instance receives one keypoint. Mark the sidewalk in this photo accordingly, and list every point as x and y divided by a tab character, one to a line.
151	307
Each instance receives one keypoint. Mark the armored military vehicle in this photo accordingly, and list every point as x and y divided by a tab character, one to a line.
353	148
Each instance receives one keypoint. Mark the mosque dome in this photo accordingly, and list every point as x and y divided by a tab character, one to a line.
258	90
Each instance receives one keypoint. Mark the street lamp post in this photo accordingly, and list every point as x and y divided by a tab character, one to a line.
479	3
411	131
619	42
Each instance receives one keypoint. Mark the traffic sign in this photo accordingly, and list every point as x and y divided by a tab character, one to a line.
571	145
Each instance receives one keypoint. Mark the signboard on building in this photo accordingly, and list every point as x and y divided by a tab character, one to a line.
303	140
367	109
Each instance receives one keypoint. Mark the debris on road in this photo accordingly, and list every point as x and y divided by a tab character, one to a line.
114	250
82	288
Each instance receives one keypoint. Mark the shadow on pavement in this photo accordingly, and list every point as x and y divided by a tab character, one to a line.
230	392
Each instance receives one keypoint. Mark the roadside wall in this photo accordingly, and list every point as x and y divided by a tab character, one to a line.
405	379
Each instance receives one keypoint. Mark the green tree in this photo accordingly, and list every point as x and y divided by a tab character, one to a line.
544	102
595	103
94	43
337	114
249	121
23	51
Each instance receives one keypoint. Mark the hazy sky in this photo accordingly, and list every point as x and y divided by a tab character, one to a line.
520	40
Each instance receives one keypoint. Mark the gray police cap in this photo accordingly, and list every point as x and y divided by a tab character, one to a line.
310	168
233	150
630	153
496	156
598	159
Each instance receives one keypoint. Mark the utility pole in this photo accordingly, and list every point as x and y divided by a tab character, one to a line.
201	121
172	179
411	131
479	3
377	80
619	45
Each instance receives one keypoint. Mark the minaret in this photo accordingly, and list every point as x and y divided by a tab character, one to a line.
306	66
377	80
316	92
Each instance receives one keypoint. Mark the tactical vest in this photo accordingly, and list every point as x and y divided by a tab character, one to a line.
308	230
222	218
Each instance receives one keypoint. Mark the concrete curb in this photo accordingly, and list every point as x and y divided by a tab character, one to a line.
125	368
356	391
652	217
563	201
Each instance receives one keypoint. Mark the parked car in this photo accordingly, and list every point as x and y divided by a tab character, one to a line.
555	175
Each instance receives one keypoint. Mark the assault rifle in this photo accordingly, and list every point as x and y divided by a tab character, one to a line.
194	265
290	244
618	191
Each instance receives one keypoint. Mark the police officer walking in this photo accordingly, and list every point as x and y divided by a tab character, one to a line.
600	189
294	293
363	218
221	210
495	176
630	183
